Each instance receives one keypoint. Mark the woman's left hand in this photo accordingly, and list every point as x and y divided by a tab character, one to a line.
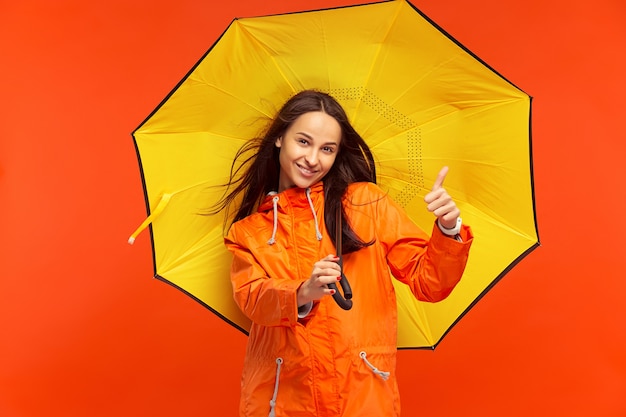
441	204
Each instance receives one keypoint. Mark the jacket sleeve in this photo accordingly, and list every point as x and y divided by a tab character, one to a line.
430	266
268	301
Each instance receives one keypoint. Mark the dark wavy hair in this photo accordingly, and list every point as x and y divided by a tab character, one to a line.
255	169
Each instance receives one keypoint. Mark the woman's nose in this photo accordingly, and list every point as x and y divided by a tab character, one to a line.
311	157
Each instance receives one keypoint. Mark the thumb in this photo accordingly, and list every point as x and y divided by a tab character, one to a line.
440	177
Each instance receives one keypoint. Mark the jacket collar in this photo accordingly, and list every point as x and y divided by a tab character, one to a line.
292	197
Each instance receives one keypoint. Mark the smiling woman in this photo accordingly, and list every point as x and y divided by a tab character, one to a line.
306	354
308	150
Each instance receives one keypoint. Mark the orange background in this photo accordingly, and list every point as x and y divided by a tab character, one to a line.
86	331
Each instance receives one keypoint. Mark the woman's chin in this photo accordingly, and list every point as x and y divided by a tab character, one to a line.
301	182
306	183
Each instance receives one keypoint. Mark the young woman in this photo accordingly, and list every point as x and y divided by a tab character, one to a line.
306	356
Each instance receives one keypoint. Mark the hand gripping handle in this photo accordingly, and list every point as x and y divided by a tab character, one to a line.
344	301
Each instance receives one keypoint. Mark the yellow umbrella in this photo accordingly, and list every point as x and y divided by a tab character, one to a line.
418	97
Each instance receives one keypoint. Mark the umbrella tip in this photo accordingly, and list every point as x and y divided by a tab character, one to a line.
131	240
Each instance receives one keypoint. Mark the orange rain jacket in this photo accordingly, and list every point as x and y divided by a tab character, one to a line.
332	362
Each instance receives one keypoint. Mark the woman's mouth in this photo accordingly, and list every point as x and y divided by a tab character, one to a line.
308	172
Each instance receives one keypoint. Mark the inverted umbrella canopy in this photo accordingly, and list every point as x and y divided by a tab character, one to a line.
419	98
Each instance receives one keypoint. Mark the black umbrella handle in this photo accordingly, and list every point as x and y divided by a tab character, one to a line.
344	301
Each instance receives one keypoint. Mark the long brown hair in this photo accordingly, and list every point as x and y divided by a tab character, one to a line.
255	169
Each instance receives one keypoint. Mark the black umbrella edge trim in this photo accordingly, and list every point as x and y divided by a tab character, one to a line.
532	166
146	200
453	39
152	113
217	313
193	68
348	6
482	294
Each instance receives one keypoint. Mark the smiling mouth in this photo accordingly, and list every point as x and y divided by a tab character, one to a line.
306	171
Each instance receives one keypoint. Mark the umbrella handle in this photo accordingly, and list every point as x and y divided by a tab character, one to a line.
344	301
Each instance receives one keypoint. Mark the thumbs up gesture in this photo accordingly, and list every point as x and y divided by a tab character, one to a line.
441	204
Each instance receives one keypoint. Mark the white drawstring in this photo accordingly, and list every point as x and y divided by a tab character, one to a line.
382	374
273	238
279	362
318	234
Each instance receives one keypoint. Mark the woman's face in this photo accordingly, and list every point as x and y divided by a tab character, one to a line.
308	150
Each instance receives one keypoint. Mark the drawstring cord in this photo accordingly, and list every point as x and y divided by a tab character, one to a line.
273	238
382	374
279	362
318	234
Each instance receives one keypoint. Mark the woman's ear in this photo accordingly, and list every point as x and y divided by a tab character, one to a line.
279	141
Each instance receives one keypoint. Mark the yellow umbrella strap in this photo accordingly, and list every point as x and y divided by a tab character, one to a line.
153	215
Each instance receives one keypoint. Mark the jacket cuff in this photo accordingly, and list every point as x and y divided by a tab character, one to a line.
305	309
452	244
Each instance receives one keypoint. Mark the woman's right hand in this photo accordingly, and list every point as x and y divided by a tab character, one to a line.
325	271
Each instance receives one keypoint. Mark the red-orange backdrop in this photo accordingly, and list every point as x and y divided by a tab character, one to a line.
86	331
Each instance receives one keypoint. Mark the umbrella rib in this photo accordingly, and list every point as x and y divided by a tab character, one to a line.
480	108
263	48
413	123
371	68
